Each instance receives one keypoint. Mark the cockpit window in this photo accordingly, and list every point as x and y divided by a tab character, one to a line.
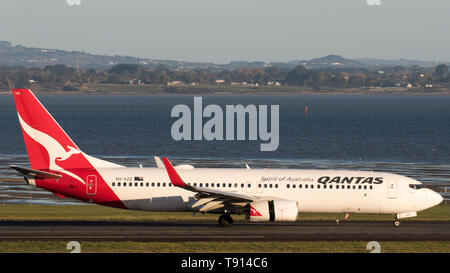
416	186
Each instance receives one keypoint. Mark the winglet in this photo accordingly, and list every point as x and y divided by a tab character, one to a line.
158	162
173	175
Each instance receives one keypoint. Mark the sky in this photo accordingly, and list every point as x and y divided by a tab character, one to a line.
221	31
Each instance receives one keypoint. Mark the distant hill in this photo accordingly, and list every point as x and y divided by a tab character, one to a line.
40	57
399	62
18	55
329	61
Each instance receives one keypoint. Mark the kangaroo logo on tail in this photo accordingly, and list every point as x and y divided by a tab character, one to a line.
55	150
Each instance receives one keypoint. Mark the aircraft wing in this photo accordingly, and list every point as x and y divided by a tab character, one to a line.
211	199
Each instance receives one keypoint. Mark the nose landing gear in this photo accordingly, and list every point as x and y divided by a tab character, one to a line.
396	223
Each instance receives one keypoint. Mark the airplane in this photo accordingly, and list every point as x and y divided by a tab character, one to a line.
58	165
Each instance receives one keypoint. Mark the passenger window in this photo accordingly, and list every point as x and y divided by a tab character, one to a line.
131	184
206	185
118	184
224	185
276	186
318	186
113	184
312	186
359	187
235	185
259	185
265	185
158	184
242	185
306	186
288	186
331	186
270	185
249	185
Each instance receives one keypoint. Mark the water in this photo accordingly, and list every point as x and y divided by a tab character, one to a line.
408	135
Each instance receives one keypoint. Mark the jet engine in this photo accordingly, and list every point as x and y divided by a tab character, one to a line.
273	210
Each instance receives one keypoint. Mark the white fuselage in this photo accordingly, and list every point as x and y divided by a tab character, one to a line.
360	192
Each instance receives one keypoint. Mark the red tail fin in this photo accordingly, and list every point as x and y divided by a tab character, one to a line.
48	146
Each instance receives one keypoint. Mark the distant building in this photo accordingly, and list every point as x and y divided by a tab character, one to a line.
135	82
172	83
404	84
220	81
270	83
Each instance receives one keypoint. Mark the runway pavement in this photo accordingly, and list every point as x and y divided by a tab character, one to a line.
210	231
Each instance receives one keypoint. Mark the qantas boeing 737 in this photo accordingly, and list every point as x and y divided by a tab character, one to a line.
59	166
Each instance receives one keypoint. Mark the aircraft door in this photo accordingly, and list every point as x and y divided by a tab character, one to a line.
392	189
91	185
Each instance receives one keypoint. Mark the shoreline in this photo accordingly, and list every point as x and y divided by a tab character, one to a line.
164	90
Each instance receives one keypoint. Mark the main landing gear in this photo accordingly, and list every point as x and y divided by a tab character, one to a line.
225	220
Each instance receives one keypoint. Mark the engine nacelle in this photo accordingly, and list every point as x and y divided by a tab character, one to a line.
273	210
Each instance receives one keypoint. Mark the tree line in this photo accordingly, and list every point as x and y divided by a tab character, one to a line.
64	77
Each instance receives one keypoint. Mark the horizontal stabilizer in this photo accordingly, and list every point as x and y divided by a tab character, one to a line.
32	173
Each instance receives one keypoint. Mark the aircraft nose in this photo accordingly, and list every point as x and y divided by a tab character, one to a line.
434	198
